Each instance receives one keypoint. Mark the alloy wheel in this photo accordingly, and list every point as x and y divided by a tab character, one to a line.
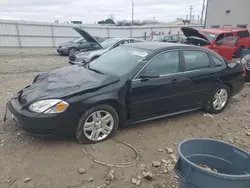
98	125
220	99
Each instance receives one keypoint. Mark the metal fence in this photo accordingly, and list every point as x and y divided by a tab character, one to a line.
36	34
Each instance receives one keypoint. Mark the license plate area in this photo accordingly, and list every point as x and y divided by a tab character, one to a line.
10	116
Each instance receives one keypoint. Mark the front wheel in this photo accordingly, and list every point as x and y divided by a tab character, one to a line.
97	124
219	100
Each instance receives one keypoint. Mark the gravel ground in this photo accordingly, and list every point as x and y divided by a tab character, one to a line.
28	162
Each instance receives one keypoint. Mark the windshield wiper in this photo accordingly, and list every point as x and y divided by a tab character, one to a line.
97	71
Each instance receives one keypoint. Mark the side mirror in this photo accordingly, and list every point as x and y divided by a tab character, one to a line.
218	42
150	74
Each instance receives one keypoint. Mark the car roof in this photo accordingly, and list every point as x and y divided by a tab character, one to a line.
156	45
162	46
120	38
223	29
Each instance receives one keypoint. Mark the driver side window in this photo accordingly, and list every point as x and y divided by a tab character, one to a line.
165	63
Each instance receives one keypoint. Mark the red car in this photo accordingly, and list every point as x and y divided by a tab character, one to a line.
226	41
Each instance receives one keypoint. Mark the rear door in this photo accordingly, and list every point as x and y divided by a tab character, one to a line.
226	47
199	69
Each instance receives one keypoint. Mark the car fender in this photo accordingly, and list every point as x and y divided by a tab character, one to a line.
111	99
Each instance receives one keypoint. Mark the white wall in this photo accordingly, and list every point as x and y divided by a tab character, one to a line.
36	34
239	12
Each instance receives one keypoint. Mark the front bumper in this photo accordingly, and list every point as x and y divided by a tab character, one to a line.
42	124
62	51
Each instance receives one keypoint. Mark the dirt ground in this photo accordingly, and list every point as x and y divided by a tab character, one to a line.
55	163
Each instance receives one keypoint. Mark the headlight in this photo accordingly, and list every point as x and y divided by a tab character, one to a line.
50	106
84	54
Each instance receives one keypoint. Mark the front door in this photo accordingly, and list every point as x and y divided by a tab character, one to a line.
164	94
226	47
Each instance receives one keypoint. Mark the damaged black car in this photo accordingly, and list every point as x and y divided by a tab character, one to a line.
132	83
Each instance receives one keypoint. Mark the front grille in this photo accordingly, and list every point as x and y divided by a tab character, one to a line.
72	57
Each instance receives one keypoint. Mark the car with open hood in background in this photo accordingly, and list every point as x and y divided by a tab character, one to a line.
226	41
78	44
132	83
103	47
168	38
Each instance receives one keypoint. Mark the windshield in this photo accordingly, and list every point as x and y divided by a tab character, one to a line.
77	40
107	43
210	36
157	38
118	61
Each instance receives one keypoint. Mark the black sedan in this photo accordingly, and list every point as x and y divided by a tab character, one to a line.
130	84
79	44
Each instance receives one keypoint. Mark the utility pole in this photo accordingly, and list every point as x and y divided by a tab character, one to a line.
132	13
190	14
202	12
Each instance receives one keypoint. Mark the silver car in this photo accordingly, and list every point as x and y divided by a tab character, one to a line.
105	46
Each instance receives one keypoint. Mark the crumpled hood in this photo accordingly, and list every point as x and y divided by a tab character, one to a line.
64	82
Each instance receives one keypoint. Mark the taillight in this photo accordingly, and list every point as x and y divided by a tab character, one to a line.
243	70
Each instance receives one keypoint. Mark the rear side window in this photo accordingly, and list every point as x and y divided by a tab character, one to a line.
195	60
243	34
217	62
229	34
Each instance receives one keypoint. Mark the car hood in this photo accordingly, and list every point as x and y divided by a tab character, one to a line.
91	53
191	32
64	82
86	36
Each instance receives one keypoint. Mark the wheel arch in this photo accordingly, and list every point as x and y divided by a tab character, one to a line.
119	107
230	86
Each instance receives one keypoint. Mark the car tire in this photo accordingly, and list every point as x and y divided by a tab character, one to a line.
222	95
87	126
71	51
238	52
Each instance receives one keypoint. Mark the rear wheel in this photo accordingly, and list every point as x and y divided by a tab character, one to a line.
219	99
238	52
97	124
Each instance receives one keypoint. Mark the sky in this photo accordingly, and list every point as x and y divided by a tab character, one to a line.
91	11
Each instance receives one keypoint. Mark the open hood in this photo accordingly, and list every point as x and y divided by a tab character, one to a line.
191	32
86	36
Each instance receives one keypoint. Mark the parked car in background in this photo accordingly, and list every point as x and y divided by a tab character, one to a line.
78	44
227	41
105	46
132	83
169	38
246	61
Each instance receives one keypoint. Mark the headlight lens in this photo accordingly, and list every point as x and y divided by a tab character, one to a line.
50	106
